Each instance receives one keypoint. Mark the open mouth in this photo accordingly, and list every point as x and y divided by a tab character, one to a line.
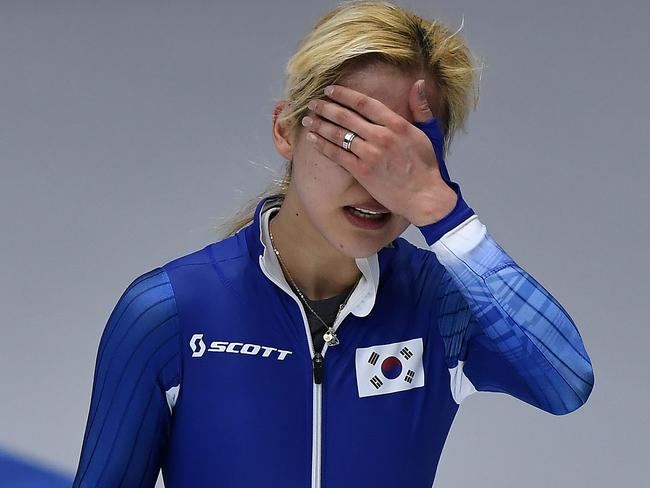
369	214
366	219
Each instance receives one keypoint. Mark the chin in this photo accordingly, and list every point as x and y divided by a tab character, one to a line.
354	248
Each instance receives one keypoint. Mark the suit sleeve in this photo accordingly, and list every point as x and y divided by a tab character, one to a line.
503	331
136	381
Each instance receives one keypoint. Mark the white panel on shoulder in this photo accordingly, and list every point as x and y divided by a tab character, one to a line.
172	395
388	368
461	386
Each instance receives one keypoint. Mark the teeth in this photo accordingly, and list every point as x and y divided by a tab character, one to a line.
369	212
366	214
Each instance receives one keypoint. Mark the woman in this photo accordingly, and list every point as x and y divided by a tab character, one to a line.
313	346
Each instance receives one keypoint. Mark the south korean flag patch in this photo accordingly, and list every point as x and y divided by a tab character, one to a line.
389	368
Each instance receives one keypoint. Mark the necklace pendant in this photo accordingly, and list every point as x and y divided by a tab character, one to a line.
330	337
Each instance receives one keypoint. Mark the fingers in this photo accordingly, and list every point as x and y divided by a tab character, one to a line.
343	117
335	152
335	134
418	103
370	108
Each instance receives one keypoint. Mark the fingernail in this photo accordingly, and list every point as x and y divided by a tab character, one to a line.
307	121
420	87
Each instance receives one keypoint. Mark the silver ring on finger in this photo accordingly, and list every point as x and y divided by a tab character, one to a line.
347	140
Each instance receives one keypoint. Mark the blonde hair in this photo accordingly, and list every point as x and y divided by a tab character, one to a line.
355	33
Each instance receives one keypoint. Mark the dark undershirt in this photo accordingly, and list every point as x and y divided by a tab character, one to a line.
327	310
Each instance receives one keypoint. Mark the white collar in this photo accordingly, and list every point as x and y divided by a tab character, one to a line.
363	297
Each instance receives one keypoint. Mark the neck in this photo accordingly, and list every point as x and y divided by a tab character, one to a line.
317	268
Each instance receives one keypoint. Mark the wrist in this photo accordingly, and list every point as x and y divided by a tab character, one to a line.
458	214
437	204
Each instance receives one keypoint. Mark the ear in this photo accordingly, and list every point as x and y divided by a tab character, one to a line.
281	136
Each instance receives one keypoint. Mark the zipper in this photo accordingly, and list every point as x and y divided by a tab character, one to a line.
318	362
317	368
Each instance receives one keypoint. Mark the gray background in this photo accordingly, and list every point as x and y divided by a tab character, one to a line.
128	130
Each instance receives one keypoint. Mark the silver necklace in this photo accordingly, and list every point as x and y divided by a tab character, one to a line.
329	336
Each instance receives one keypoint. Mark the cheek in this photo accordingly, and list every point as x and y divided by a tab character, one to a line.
314	160
316	170
317	178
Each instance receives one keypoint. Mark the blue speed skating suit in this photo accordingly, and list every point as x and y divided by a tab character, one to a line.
207	369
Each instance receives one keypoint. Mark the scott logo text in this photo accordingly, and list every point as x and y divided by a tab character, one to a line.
198	348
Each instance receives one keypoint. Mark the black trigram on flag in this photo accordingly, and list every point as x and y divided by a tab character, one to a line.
406	353
373	358
409	376
376	382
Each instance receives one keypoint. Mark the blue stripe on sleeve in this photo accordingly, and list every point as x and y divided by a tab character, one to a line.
505	330
129	419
